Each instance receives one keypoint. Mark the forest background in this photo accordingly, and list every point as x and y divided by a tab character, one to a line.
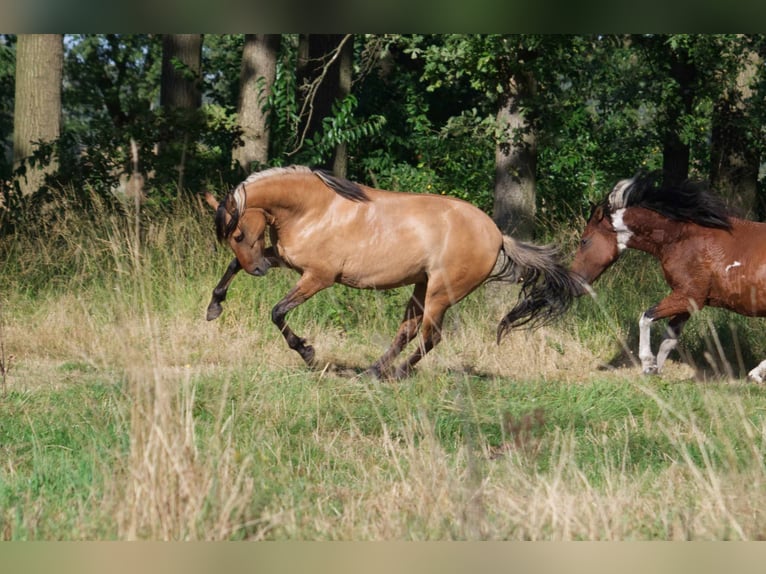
528	127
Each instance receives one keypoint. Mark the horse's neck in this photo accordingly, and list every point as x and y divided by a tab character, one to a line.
651	232
285	199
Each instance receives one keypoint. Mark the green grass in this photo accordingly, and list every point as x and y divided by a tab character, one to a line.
125	415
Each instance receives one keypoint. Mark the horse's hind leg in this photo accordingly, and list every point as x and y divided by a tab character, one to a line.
670	341
307	286
413	317
431	333
677	306
758	373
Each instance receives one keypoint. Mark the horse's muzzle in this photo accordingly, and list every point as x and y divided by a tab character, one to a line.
260	268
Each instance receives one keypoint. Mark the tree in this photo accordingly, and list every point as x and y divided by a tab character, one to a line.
37	102
181	71
516	161
259	65
499	69
345	73
180	97
735	154
324	76
7	72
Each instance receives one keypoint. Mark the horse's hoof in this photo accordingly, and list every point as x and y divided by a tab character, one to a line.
213	311
307	352
375	372
402	373
648	371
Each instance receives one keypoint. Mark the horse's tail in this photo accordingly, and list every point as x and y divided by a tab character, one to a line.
547	287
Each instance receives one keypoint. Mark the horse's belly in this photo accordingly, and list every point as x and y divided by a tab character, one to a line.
742	293
381	280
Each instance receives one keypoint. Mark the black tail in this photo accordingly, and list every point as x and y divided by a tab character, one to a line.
547	287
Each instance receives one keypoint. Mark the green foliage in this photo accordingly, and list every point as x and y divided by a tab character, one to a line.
342	127
421	115
7	83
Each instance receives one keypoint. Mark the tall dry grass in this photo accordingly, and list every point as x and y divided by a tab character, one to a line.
219	431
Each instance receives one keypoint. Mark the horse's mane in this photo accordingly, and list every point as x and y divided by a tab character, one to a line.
690	201
234	202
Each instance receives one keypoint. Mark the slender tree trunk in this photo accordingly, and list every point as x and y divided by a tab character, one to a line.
180	97
345	75
515	164
259	67
319	75
37	104
734	156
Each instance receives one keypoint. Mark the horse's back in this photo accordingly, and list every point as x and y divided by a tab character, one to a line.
397	238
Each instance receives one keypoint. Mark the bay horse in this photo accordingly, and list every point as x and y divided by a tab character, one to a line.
331	230
708	256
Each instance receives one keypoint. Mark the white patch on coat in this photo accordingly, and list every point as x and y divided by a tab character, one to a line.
732	265
623	233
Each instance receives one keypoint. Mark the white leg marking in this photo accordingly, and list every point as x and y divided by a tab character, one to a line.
757	373
669	342
648	362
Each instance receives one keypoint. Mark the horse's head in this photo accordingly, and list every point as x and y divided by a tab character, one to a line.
244	230
598	246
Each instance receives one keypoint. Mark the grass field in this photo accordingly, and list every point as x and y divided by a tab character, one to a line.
125	415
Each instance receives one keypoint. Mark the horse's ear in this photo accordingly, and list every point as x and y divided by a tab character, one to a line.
598	212
211	201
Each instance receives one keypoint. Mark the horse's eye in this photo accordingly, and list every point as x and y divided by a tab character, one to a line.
239	237
585	242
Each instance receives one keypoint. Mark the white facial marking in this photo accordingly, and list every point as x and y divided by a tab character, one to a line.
732	265
623	233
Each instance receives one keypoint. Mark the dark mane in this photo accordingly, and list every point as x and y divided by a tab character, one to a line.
341	186
691	202
234	201
222	229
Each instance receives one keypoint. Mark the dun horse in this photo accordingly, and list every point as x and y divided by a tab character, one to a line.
708	257
331	230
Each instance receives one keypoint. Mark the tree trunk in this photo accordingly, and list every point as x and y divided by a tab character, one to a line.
180	97
181	69
319	76
734	157
515	164
345	75
676	153
37	104
259	66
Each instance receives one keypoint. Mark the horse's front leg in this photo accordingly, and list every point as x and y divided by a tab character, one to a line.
307	286
214	308
648	360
